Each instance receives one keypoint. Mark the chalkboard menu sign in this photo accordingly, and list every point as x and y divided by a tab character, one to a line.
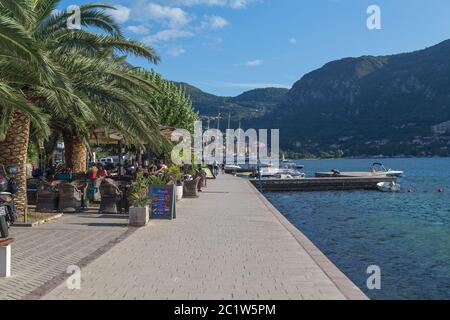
162	202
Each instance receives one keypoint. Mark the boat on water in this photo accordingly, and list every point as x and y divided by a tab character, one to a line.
268	171
288	164
388	187
376	170
379	168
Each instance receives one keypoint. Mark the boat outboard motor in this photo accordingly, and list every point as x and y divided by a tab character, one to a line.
8	187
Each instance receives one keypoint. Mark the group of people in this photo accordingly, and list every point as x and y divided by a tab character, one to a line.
152	170
97	171
215	167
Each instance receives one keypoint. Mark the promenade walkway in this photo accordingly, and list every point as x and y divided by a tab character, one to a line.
229	244
41	255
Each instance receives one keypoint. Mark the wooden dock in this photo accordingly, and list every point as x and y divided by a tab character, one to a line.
321	184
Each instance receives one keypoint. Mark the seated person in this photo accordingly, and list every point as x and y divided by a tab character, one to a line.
162	168
102	173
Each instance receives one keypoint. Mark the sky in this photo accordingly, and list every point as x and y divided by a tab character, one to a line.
226	47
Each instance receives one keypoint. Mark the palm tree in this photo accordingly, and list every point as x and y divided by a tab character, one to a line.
33	39
17	109
116	96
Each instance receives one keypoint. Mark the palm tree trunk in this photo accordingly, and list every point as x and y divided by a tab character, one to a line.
75	152
79	156
68	148
13	153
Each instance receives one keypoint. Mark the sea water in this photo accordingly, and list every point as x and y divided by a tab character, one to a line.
407	235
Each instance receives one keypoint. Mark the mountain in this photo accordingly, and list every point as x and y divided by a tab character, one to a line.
386	105
371	105
249	105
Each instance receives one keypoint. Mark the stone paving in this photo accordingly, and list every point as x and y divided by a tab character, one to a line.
43	253
229	244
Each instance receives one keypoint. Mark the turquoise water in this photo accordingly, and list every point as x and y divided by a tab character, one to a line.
406	234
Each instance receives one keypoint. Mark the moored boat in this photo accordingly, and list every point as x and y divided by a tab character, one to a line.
388	187
376	170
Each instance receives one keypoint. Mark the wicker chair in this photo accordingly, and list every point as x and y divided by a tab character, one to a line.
47	196
70	198
190	188
32	188
202	180
111	195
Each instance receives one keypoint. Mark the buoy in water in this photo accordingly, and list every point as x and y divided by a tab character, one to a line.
440	190
410	190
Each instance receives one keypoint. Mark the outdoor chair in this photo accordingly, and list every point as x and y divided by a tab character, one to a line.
203	179
32	188
47	197
70	197
111	195
190	188
124	202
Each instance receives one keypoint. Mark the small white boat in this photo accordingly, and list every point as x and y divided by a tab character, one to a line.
388	187
232	167
270	171
380	169
287	164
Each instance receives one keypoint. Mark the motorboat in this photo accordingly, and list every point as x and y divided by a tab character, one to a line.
376	170
231	167
388	187
379	168
289	174
287	164
270	171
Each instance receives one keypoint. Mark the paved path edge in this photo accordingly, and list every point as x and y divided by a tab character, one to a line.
342	282
47	287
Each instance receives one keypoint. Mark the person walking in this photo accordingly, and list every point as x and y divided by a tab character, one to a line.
215	168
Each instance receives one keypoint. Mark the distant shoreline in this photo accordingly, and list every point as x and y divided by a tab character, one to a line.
370	157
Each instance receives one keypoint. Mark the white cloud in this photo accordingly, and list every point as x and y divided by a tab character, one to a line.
170	16
121	14
139	29
293	41
167	35
234	4
176	51
214	22
254	63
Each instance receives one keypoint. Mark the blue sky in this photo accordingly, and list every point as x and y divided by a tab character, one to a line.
229	46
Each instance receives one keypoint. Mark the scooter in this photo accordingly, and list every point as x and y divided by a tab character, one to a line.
8	214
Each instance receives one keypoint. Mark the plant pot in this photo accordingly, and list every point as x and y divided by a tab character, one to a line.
140	216
180	192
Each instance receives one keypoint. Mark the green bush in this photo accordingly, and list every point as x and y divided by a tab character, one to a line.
139	192
174	174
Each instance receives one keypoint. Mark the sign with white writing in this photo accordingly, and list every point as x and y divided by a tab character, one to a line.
162	202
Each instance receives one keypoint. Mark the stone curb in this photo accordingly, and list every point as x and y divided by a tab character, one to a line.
36	223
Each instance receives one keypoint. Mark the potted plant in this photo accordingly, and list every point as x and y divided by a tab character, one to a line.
139	198
176	177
